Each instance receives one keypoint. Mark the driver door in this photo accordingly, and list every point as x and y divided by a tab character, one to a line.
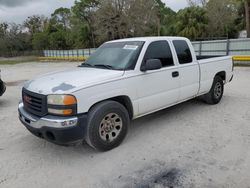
159	88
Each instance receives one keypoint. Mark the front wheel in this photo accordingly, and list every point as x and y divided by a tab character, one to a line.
216	93
107	125
2	87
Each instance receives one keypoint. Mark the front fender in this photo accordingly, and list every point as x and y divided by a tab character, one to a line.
88	97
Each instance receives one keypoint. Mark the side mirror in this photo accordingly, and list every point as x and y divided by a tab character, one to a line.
151	64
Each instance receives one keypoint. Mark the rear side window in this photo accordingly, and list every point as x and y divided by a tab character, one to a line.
160	50
183	51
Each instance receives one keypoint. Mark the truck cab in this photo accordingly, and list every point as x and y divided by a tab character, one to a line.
123	80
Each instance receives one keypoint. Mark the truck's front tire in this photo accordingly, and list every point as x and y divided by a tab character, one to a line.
107	125
216	93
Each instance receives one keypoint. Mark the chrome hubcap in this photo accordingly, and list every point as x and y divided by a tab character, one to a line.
218	90
110	127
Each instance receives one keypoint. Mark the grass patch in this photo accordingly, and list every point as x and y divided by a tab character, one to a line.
9	62
17	60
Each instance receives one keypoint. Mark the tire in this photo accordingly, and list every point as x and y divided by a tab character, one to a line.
107	125
2	87
216	92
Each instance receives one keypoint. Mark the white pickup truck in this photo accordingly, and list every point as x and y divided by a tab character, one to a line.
123	80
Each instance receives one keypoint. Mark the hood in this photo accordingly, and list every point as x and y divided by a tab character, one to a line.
70	80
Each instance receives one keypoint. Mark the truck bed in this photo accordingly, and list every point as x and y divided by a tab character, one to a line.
210	66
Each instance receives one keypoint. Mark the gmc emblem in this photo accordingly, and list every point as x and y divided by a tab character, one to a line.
27	99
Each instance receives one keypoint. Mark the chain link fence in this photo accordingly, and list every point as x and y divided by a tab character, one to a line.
223	47
71	55
238	48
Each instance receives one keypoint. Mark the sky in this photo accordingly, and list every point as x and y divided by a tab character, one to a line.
175	4
18	10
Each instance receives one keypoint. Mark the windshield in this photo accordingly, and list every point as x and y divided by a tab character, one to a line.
116	55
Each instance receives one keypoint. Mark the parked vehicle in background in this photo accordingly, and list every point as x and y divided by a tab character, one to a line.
2	86
123	80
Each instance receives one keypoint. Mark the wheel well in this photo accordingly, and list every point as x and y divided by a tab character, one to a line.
221	74
125	101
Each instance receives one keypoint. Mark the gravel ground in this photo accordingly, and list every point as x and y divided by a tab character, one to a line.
189	145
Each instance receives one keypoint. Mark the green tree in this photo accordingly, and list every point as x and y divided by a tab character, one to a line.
197	2
60	29
240	21
13	39
35	24
57	40
40	41
80	35
144	18
84	10
3	42
3	29
222	15
125	18
166	19
90	22
62	16
191	22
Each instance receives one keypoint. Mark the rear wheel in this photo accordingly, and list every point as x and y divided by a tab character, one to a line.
216	93
107	125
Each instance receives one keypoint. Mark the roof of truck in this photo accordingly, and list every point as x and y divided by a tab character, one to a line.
148	39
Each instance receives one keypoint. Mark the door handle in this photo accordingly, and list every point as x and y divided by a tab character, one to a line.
175	74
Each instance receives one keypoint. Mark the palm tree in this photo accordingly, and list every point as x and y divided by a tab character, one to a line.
192	22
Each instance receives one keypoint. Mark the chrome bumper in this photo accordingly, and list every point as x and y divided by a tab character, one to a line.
47	121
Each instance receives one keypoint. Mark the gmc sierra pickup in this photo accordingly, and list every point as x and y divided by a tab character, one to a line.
2	86
123	80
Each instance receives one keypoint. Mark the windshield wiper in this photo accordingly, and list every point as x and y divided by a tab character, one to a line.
105	66
85	65
110	67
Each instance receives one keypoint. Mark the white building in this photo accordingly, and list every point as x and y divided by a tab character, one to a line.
243	34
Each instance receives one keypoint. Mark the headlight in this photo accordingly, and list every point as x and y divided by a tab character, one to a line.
62	104
61	100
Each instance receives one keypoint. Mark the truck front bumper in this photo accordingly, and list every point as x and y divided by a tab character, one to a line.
58	130
2	87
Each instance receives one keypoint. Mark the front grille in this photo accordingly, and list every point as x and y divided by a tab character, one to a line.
34	103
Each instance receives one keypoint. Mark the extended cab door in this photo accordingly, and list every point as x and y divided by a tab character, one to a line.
189	70
158	88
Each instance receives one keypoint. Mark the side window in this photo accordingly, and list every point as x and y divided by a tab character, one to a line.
160	50
183	52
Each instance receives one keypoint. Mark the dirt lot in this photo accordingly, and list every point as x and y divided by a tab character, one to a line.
189	145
